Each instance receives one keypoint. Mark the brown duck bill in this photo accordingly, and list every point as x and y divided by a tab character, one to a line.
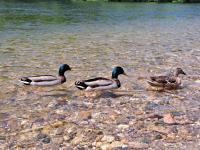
125	74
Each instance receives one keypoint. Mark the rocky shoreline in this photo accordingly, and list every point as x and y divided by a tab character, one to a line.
111	121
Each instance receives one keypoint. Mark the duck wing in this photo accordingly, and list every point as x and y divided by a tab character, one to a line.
172	80
164	81
159	79
46	83
99	81
173	83
93	83
42	80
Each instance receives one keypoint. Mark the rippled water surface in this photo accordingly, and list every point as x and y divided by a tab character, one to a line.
92	37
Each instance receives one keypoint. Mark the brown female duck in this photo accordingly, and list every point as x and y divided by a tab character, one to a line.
168	81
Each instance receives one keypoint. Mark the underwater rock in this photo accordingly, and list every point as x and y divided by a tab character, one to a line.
150	106
84	115
168	119
57	140
138	145
108	138
43	138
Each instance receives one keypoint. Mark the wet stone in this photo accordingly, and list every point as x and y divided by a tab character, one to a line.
192	116
109	102
55	116
80	148
123	126
122	120
106	102
46	140
108	138
60	131
117	138
2	139
150	106
177	113
121	148
122	103
11	144
43	138
70	136
61	103
52	104
168	119
147	139
85	115
11	101
164	101
13	125
4	116
138	145
130	117
57	140
39	121
158	136
74	106
132	133
84	123
174	130
114	144
3	124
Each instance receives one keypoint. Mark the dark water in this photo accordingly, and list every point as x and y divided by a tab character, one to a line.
92	37
24	16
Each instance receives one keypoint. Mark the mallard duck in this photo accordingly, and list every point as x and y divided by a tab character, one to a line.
47	80
101	83
168	81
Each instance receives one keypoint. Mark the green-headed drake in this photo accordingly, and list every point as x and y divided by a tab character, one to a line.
47	80
101	83
168	81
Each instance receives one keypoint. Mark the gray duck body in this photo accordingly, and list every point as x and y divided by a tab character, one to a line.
47	80
101	83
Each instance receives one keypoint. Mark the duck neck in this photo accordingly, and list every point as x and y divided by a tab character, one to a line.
63	79
61	72
176	73
114	75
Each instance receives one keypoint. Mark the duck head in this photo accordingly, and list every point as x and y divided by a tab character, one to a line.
63	68
179	71
117	71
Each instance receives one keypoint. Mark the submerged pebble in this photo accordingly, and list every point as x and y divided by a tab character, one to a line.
43	138
151	106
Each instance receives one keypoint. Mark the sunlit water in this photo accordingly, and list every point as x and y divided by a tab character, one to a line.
92	37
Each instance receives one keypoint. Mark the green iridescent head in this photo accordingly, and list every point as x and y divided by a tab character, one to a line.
117	71
63	68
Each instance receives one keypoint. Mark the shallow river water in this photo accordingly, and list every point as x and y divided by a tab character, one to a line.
92	37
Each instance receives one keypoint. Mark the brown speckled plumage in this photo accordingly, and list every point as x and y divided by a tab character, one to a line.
168	82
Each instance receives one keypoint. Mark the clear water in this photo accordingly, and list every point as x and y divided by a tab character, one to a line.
92	37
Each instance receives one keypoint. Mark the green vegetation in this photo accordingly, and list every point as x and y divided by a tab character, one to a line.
157	1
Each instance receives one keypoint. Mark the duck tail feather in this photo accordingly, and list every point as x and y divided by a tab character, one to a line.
26	81
81	85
